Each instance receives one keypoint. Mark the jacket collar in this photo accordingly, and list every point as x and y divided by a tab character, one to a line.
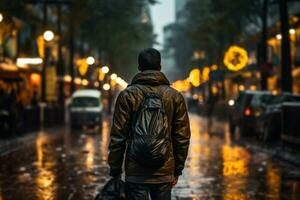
150	77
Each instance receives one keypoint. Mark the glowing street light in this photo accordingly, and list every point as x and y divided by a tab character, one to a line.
1	17
105	69
113	76
48	35
90	60
106	86
292	31
278	37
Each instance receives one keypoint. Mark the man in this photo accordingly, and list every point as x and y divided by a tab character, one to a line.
131	122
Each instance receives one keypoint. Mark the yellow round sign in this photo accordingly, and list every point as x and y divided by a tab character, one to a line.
236	58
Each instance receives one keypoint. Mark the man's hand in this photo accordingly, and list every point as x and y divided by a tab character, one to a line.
174	181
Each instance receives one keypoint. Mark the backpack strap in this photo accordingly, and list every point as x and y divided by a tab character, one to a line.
162	89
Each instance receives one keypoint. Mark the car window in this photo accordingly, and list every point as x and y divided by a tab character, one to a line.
85	102
262	99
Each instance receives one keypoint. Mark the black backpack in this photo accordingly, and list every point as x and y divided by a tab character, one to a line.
149	137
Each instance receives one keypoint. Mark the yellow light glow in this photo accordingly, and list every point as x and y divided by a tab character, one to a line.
194	77
113	76
77	81
83	66
181	85
214	90
1	17
48	35
205	73
236	58
35	78
106	86
101	75
96	84
241	88
278	37
90	60
85	82
252	87
292	31
105	69
67	78
214	67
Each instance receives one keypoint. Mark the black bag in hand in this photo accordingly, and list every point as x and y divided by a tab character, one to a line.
114	189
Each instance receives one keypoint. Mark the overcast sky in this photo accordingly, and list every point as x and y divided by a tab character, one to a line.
162	14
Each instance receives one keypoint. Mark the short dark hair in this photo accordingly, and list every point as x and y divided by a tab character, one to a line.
149	59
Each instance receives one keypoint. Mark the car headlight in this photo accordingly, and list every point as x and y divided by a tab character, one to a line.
231	102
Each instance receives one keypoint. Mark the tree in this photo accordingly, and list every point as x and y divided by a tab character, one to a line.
213	25
117	30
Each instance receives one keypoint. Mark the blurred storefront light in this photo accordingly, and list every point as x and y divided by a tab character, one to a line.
77	81
194	77
253	87
241	88
22	62
85	82
48	35
67	78
35	78
205	74
96	84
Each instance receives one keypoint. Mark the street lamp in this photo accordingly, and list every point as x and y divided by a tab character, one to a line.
278	37
48	35
292	31
105	69
90	60
1	17
106	86
113	76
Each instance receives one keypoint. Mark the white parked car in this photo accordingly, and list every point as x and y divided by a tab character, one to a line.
86	108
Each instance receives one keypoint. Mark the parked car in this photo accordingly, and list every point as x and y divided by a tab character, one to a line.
269	125
245	110
86	109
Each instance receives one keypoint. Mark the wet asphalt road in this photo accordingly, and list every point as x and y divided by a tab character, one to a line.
57	164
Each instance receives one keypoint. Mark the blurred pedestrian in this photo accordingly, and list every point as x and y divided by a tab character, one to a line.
34	99
150	121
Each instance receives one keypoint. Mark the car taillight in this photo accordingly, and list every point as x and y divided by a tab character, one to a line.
247	112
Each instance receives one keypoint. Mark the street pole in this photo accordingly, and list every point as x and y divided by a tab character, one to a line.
286	76
71	47
264	47
43	98
60	64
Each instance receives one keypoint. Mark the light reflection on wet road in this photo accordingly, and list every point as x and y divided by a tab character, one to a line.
61	165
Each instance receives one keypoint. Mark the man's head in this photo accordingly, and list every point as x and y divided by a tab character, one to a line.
149	59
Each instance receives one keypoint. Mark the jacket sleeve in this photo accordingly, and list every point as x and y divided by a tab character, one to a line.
181	134
118	135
